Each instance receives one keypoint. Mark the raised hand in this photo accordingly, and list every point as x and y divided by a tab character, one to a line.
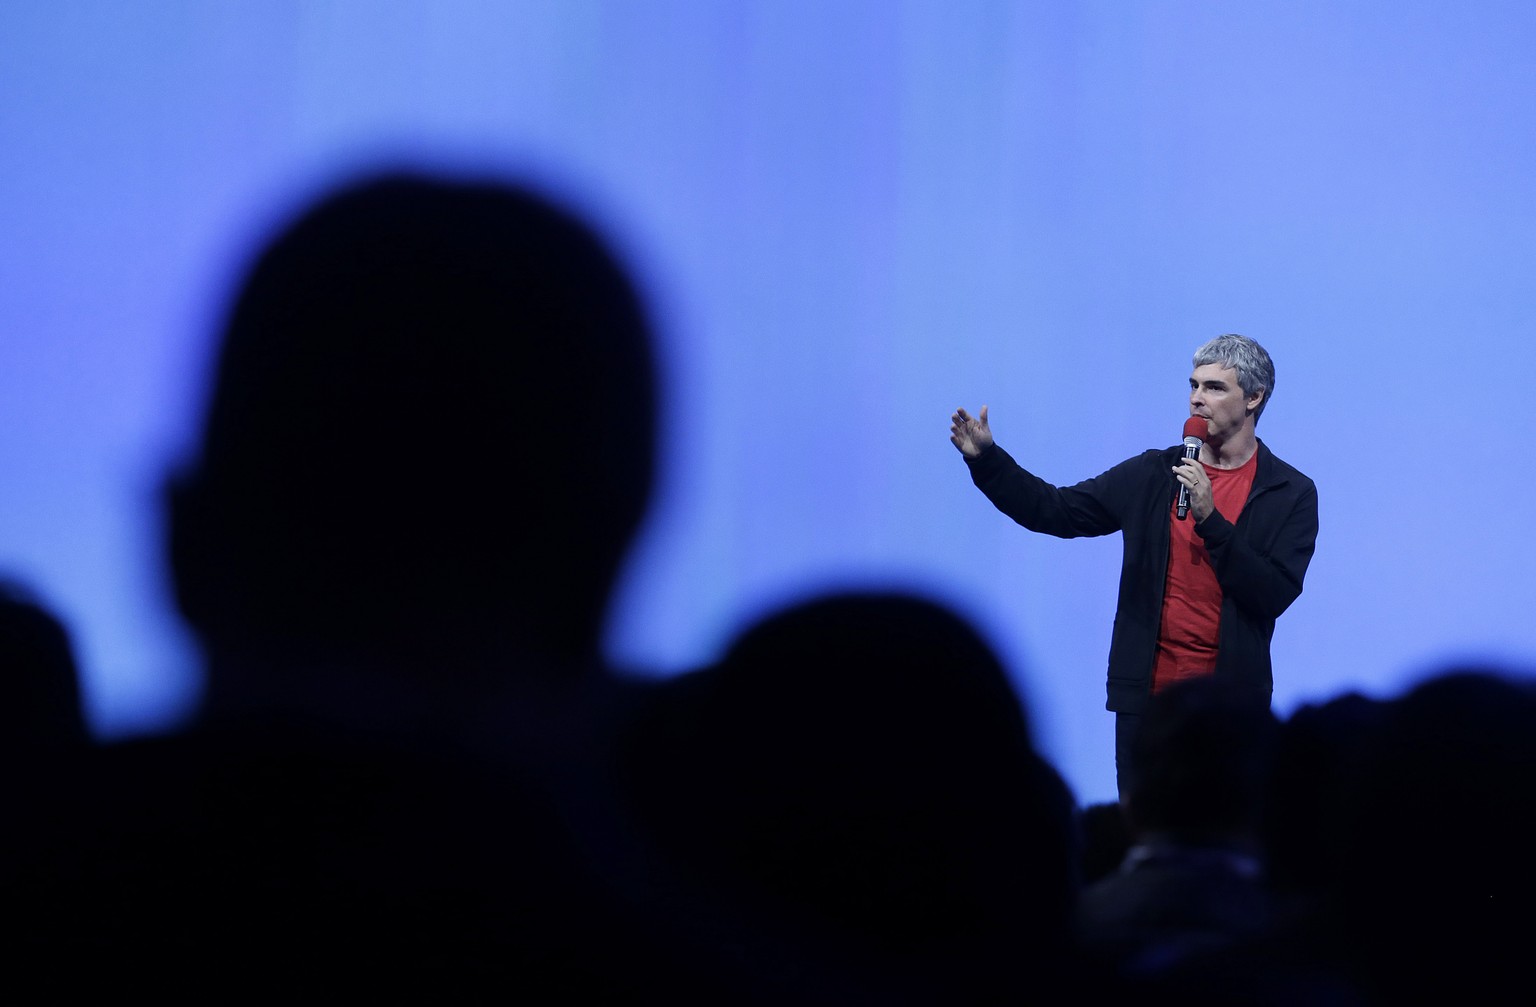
970	434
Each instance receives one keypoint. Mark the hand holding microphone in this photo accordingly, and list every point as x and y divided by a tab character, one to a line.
1194	437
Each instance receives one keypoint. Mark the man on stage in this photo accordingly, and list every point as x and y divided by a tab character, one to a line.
1199	591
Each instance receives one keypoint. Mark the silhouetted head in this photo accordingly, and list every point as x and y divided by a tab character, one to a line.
42	684
1438	876
1317	758
1106	838
1203	755
432	417
863	759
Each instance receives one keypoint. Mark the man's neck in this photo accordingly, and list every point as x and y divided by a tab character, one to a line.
1231	453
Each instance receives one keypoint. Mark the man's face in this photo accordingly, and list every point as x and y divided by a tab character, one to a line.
1215	395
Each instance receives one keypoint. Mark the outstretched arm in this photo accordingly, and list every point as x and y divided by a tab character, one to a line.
970	434
1066	512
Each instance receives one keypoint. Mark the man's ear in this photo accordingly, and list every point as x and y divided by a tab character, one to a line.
1255	400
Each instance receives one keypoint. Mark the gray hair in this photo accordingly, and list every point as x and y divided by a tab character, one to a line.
1255	371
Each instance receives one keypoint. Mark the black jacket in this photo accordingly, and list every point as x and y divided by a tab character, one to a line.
1259	562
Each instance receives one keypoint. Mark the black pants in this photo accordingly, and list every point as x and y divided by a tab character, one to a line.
1126	726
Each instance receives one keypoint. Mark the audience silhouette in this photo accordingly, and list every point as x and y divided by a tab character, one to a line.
1193	879
1400	873
1106	838
45	716
43	730
428	443
1311	788
1438	872
858	770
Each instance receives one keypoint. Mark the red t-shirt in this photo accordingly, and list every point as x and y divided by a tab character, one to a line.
1190	629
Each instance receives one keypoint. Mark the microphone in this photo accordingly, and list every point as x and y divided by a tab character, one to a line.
1194	434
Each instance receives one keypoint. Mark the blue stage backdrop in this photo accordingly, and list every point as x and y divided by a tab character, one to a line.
850	217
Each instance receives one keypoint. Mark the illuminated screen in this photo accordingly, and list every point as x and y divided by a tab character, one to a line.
849	218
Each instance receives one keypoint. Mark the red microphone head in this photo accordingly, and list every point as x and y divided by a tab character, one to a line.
1196	427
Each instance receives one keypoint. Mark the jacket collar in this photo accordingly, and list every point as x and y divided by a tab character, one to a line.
1271	471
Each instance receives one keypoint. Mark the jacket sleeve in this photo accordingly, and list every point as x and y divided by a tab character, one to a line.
1088	508
1264	584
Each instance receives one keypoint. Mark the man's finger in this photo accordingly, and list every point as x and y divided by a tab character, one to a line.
983	415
